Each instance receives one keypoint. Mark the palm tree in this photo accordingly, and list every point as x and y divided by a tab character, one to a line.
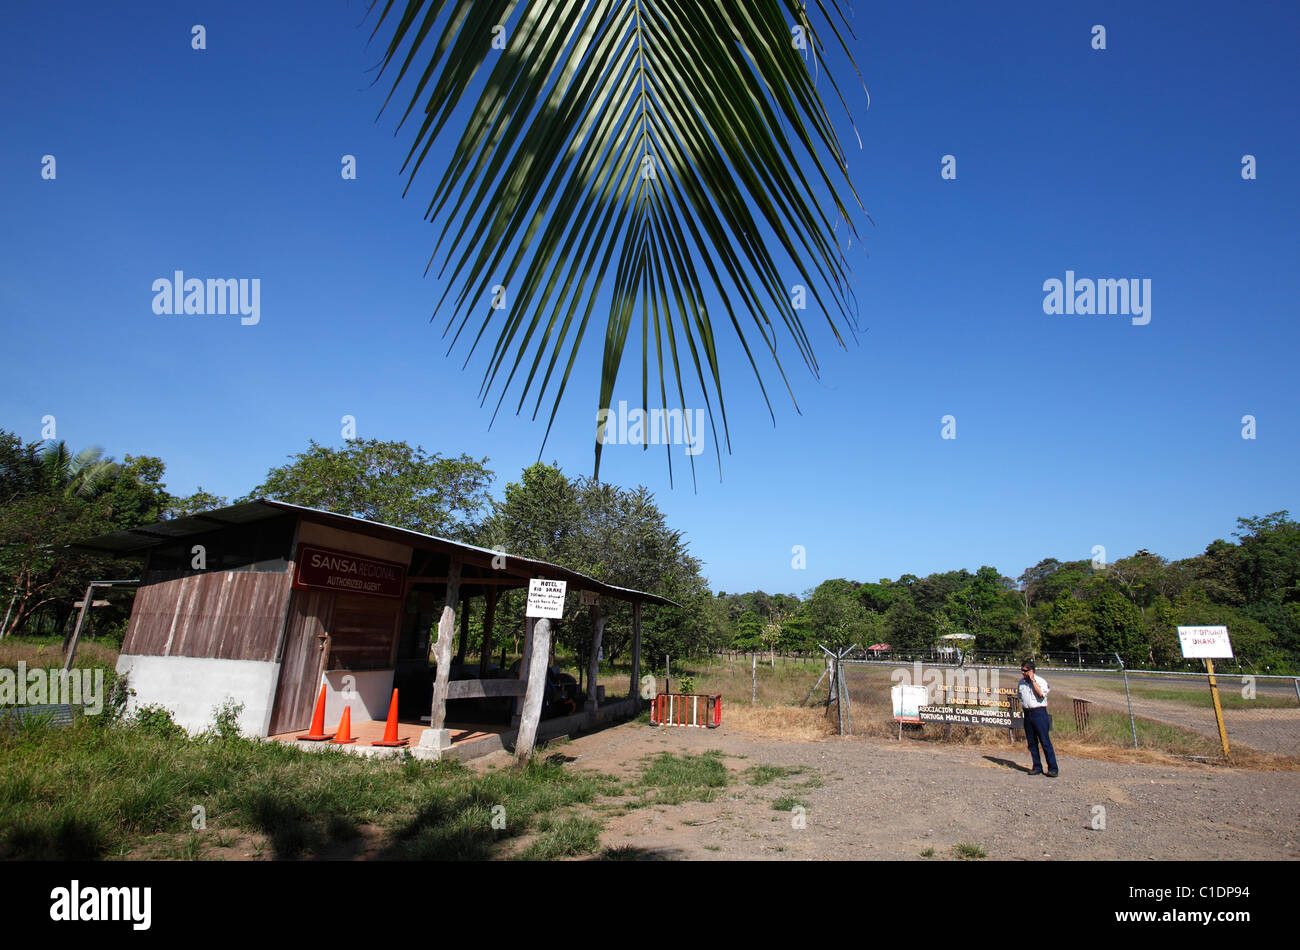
663	157
56	471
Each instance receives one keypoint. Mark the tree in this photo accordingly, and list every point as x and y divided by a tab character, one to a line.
836	616
52	498
56	470
639	155
180	506
537	517
388	482
617	536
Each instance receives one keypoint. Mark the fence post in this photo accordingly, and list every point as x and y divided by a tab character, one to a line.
1131	723
753	696
846	713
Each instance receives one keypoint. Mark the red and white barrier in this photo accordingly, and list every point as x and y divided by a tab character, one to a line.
686	709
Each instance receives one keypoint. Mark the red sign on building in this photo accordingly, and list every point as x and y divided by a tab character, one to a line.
323	569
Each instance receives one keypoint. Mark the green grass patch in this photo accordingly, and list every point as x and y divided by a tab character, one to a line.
669	779
966	851
789	803
96	790
564	837
1229	694
767	774
1114	729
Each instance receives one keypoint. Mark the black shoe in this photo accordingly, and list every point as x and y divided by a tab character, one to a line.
1034	772
1052	773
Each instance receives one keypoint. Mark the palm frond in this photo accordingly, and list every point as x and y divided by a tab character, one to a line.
671	158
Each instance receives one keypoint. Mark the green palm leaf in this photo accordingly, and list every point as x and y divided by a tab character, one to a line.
668	157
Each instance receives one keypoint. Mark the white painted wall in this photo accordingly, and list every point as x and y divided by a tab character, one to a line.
372	690
191	686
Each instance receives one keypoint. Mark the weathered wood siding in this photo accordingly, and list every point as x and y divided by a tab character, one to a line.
300	665
231	615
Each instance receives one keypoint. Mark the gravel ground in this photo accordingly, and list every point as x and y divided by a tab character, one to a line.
885	799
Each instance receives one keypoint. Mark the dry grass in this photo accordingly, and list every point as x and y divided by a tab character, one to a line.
786	684
778	722
48	652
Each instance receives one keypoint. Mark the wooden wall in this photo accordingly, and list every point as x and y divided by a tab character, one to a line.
232	615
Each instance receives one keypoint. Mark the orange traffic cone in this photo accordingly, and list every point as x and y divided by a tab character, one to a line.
345	728
390	729
318	733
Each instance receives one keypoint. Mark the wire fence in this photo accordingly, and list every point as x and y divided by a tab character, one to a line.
1058	659
1169	710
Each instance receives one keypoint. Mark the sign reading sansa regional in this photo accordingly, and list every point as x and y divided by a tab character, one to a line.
1200	642
323	569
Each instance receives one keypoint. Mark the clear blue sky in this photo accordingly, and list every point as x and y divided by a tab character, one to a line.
1072	431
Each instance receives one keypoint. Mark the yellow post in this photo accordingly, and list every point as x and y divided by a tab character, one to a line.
1218	709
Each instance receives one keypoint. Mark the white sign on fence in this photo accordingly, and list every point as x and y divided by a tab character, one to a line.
1198	642
545	598
908	701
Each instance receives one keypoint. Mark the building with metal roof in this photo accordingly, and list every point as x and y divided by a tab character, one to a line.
265	603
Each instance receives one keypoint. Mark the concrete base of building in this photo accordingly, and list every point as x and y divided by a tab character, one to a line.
576	724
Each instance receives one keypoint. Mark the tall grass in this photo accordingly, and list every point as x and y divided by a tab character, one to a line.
94	791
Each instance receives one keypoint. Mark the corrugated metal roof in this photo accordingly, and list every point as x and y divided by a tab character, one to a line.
135	540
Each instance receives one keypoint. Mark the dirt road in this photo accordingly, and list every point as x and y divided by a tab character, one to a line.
877	798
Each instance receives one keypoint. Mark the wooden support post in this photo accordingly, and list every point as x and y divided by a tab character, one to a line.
846	706
464	633
540	650
442	650
593	667
81	618
529	626
489	619
635	691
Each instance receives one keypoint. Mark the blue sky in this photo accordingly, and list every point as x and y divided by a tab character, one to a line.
1072	431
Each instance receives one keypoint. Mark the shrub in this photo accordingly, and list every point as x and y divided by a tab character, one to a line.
226	720
156	721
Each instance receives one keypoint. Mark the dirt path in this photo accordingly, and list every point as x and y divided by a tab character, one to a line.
883	799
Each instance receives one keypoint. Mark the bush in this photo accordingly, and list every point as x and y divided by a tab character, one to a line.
226	720
156	721
117	693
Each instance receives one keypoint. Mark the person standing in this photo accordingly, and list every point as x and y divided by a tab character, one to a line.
1038	725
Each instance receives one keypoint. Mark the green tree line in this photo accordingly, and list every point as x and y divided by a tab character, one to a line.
1132	606
51	497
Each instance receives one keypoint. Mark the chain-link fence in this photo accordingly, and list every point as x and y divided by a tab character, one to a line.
1166	710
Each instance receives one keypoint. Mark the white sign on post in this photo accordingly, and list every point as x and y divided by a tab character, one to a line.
1205	642
545	598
